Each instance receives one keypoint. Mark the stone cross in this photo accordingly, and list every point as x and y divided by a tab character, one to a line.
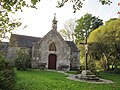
86	54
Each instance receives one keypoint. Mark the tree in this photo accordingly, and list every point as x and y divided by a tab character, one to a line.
77	4
68	31
106	45
64	34
85	25
7	24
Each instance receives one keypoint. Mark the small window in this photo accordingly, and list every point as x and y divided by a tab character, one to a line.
52	47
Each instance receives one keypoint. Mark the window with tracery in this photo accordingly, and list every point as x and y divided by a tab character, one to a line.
52	47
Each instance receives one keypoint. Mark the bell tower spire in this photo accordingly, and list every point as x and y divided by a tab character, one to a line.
54	23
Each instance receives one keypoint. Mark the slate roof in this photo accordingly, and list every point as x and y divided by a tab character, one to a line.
72	46
25	41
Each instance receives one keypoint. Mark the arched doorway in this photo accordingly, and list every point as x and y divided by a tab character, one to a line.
52	61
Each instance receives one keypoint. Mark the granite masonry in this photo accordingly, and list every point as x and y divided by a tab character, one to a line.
50	52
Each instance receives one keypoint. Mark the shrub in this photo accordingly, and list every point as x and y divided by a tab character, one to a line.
22	60
7	75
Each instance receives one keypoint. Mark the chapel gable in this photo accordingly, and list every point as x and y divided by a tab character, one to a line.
55	52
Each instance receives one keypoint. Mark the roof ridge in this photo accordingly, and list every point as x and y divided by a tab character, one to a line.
25	35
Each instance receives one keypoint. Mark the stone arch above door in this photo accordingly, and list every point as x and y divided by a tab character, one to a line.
52	47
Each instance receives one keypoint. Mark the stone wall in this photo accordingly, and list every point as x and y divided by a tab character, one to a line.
75	60
62	50
12	51
35	56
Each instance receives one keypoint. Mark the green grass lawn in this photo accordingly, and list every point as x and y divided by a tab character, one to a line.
48	80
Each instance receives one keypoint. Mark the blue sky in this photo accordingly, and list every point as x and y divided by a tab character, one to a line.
39	21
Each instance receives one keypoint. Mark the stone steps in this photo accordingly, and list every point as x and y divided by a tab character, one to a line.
87	75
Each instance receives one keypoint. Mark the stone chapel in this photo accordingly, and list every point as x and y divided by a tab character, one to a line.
52	50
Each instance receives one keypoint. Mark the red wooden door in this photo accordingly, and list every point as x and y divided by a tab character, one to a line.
52	61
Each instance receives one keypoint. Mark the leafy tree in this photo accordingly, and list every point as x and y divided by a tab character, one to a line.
68	31
10	7
7	25
64	34
85	25
105	43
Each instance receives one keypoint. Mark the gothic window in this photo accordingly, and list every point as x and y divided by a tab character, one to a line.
52	47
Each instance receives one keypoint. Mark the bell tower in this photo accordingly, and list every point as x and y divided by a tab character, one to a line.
54	23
